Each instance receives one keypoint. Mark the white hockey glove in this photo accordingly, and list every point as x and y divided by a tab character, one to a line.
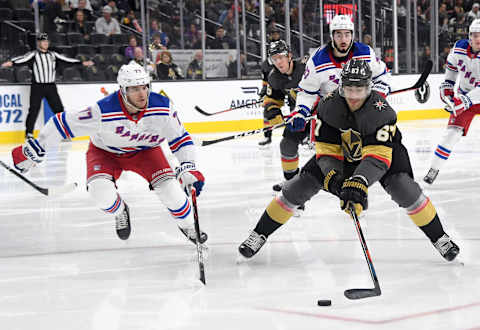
188	175
462	104
28	155
446	92
381	88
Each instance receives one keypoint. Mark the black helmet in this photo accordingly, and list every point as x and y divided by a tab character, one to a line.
356	73
42	36
278	47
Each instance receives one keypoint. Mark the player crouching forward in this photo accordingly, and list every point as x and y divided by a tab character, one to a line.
357	144
126	129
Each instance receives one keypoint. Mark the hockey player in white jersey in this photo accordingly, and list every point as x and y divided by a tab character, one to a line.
463	66
322	71
126	129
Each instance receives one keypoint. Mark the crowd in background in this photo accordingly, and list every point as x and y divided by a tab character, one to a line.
119	21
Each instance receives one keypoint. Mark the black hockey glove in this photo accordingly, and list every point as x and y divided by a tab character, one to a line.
354	191
333	183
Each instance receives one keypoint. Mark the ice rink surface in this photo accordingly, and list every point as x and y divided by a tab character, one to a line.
62	266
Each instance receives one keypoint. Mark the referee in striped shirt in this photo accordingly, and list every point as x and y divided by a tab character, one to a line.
42	62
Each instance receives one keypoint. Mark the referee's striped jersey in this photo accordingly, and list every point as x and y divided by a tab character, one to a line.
42	64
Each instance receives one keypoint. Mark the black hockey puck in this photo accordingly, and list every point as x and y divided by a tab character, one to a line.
326	302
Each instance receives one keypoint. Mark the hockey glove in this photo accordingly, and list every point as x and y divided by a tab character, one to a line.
462	104
296	122
354	191
332	182
446	91
381	88
28	155
188	175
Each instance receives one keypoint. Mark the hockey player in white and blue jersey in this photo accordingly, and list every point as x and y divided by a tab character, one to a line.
322	73
463	66
126	129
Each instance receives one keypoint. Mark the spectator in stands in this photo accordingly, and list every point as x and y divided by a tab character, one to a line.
78	25
194	69
166	69
475	12
107	24
80	4
140	59
443	57
83	5
131	21
154	28
53	9
157	43
274	34
221	41
426	55
115	12
442	12
367	40
229	22
459	27
193	38
130	49
232	67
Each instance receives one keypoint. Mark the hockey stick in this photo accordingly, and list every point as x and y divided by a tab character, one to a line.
227	110
55	191
201	265
363	293
247	133
426	71
450	107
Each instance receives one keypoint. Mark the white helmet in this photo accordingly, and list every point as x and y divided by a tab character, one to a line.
474	26
341	22
132	74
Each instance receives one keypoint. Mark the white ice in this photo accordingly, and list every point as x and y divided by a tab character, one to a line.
62	266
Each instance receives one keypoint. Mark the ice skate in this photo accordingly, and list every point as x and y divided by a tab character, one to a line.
265	142
122	223
431	176
299	211
447	248
278	186
252	244
191	234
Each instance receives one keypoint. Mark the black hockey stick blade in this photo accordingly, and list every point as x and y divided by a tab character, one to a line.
354	294
425	73
203	112
201	263
54	191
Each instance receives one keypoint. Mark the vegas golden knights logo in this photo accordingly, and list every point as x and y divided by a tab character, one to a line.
351	145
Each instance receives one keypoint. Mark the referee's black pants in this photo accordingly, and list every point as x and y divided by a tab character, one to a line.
37	93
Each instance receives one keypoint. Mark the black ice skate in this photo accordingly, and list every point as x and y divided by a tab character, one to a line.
252	244
122	222
278	186
265	142
190	233
431	176
447	248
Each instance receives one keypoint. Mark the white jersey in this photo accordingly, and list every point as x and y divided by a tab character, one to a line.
113	129
463	65
322	73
